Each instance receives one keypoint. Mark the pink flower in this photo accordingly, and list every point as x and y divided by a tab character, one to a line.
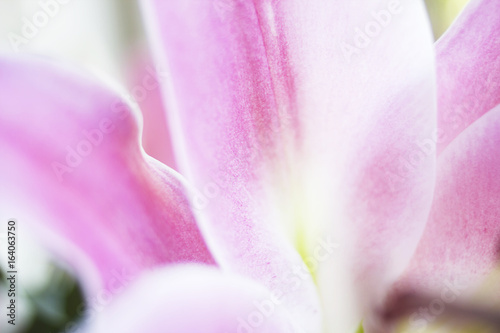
307	133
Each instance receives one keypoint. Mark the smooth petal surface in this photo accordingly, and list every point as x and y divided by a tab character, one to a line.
364	88
230	141
367	98
73	169
185	299
318	109
468	64
461	241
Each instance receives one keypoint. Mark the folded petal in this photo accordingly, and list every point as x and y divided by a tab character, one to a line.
461	241
468	64
74	171
313	108
185	299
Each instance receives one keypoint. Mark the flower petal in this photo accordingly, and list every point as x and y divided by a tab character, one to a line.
193	299
460	243
323	103
468	64
73	169
363	88
229	140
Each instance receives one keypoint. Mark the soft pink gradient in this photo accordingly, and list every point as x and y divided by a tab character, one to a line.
461	241
271	114
288	133
125	211
233	140
195	299
468	63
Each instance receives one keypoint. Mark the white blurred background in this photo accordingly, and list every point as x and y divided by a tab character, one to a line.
94	33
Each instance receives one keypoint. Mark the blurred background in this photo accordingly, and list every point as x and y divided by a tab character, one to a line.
105	36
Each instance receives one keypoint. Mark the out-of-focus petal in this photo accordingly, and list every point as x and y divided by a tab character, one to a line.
327	103
461	241
194	299
468	65
230	136
145	90
73	169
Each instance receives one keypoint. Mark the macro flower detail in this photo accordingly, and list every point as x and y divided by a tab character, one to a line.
331	157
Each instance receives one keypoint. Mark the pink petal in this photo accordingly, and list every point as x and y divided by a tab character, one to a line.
461	241
279	104
73	170
370	138
468	63
366	111
228	139
187	299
